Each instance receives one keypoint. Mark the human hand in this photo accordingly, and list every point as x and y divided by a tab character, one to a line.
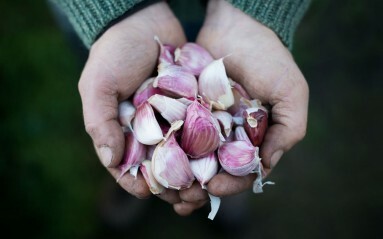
263	65
119	61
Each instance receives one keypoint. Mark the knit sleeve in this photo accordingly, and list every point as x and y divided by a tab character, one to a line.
90	18
282	16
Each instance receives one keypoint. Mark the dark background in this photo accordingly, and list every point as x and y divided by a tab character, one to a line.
328	186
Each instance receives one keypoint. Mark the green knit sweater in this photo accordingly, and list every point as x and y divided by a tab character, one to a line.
90	18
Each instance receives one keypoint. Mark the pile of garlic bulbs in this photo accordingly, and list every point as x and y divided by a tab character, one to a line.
189	122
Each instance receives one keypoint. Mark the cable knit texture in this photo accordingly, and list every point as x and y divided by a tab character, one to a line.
282	16
90	17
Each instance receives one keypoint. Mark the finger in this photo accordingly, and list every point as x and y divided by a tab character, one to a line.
193	194
289	120
186	208
135	186
224	184
170	196
99	94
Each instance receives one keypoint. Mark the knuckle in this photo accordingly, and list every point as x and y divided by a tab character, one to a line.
91	129
299	132
142	192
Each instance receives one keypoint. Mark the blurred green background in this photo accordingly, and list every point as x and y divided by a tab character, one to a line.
328	186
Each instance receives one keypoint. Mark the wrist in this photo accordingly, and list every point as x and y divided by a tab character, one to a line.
142	26
281	16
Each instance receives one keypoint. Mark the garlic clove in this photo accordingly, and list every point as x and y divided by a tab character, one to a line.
238	158
204	168
185	101
126	112
150	151
170	165
238	120
166	56
225	120
134	154
201	134
239	94
175	81
240	134
145	91
146	170
238	88
192	57
145	125
174	127
214	86
255	124
171	109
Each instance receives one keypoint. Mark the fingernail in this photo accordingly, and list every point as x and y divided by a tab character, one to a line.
275	158
106	155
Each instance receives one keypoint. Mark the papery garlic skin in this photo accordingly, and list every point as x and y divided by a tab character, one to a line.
170	165
134	154
225	120
171	109
150	151
201	133
192	57
239	94
240	134
175	81
204	168
214	86
238	158
145	125
166	56
126	112
145	91
146	170
238	88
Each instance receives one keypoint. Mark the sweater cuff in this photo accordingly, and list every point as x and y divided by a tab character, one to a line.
282	16
90	18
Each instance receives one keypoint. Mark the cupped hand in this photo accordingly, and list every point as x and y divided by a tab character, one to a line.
119	61
264	66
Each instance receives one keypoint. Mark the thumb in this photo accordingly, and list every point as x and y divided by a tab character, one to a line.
289	119
99	95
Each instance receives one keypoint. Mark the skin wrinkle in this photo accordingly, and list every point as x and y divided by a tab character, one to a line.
194	195
170	196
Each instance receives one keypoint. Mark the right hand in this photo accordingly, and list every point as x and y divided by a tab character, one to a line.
119	61
266	69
